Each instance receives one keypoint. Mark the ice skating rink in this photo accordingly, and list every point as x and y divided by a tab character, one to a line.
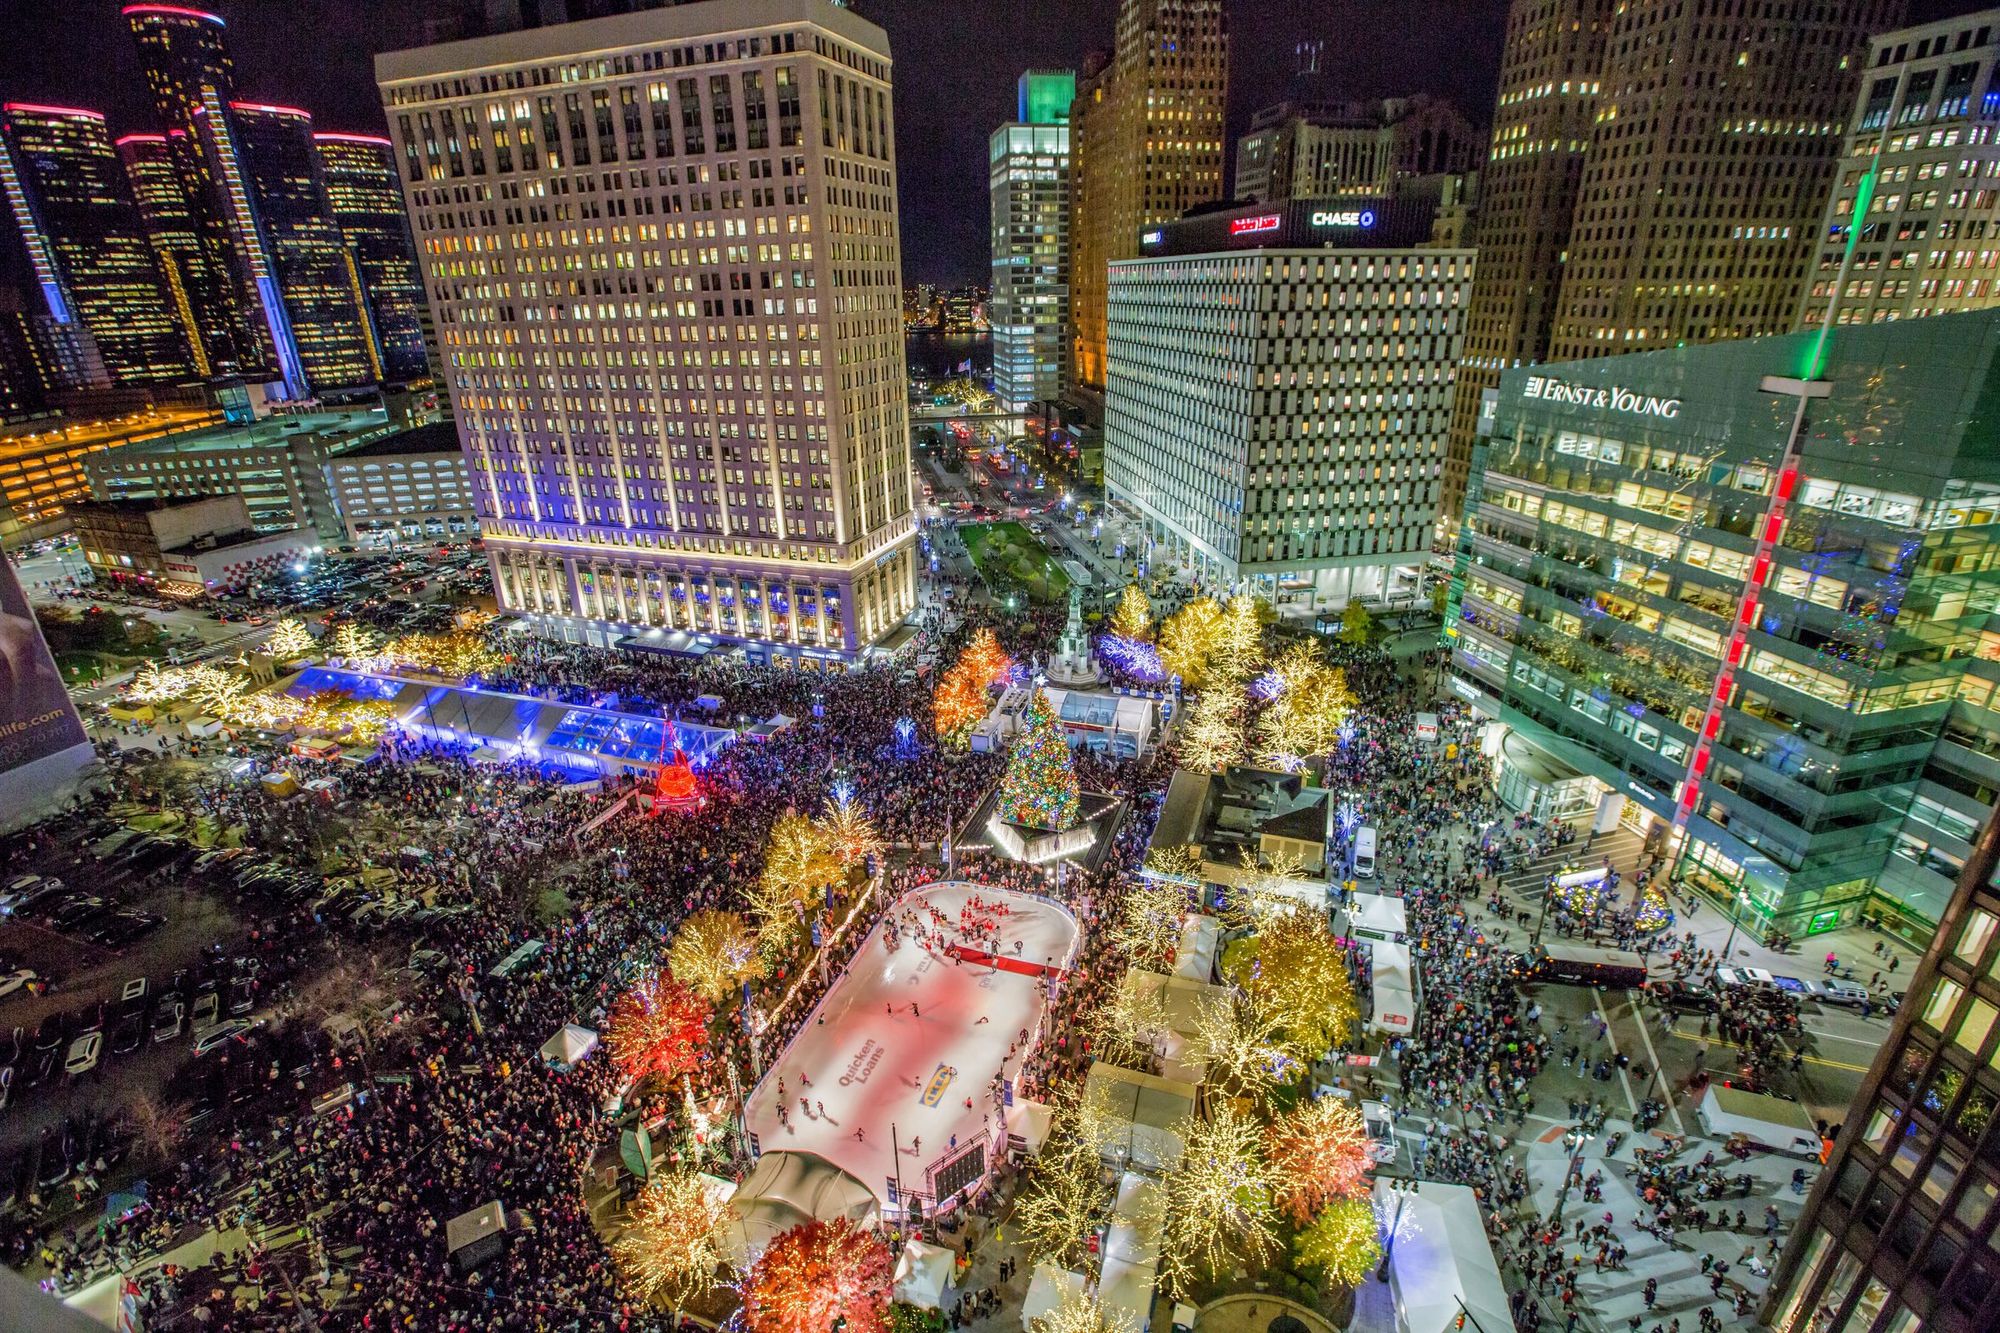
912	1029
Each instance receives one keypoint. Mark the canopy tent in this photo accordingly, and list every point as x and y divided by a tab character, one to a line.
1395	985
1144	1111
570	1047
1442	1263
1131	1252
1201	938
1184	1000
1377	916
1047	1289
923	1272
1029	1121
784	1190
474	1236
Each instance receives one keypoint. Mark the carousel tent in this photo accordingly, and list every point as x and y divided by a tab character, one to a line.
1029	1122
1201	938
923	1272
784	1190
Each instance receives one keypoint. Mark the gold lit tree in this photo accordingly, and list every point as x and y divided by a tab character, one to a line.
1211	737
714	953
672	1245
1132	618
1217	1201
1081	1313
1058	1209
1242	1047
289	641
1149	926
1344	1242
848	833
1304	717
1189	641
1239	643
1300	980
1131	1027
353	641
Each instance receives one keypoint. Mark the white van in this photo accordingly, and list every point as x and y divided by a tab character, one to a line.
1364	852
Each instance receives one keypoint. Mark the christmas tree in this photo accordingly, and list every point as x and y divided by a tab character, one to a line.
1040	788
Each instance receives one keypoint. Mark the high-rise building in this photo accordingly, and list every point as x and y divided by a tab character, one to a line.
1146	145
359	172
1316	151
87	242
1278	393
1839	756
200	294
1028	309
1902	1230
1925	110
187	67
1656	177
679	376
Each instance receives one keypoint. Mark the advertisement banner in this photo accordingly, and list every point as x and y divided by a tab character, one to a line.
37	719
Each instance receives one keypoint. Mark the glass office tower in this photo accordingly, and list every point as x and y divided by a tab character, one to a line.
359	173
74	209
1610	524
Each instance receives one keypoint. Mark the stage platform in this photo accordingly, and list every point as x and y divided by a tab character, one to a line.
908	1033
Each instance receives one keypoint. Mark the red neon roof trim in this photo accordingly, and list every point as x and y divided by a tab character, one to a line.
178	11
274	110
140	138
36	109
356	138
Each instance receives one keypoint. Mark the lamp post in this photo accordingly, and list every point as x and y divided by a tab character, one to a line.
1395	1224
1570	1172
1739	900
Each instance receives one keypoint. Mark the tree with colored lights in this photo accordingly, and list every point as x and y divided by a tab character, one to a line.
1149	927
353	641
1189	639
958	705
1300	979
714	953
1344	1242
818	1276
1318	1153
660	1027
985	658
672	1245
1305	713
1217	1201
289	641
1211	736
1132	618
1040	789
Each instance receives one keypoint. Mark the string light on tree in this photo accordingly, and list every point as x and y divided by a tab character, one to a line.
820	1276
1040	789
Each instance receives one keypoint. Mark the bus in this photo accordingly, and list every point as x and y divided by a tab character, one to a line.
1364	852
1584	965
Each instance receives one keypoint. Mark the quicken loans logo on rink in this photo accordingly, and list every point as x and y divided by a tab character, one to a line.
1589	395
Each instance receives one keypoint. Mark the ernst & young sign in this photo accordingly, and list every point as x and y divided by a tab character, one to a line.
1590	395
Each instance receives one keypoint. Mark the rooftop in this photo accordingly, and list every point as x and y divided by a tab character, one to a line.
433	437
223	541
37	437
223	438
150	505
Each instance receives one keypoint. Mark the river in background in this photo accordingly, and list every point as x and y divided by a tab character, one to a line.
940	354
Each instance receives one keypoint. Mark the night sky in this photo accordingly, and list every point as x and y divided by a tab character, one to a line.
956	62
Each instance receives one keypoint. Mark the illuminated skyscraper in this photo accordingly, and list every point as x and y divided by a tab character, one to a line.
359	171
1028	309
1657	176
1146	145
199	290
662	249
73	209
295	229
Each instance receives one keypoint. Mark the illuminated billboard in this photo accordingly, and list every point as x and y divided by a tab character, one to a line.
1259	222
37	719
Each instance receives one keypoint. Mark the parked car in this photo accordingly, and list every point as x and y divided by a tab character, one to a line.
84	1053
1838	990
1685	997
169	1019
221	1035
207	1010
242	996
129	1034
19	979
75	911
1755	978
122	928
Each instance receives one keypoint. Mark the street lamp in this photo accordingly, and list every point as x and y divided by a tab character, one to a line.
1739	901
1571	1169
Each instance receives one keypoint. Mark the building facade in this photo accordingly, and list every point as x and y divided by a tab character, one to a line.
86	241
1316	151
200	298
1899	1233
1656	177
1146	143
1279	391
1925	110
185	546
663	253
43	464
1028	308
408	488
1609	536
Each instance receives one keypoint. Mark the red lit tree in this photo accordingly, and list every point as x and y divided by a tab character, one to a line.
818	1273
659	1027
1316	1155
